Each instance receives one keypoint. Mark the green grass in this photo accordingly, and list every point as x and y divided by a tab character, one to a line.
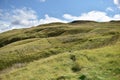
95	64
80	50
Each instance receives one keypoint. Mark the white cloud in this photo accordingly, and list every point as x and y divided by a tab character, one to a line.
42	0
22	18
17	18
117	2
93	16
4	26
50	20
70	17
109	9
116	17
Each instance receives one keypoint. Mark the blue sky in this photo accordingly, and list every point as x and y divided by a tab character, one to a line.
26	13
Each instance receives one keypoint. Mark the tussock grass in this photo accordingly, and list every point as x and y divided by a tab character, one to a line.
95	64
56	51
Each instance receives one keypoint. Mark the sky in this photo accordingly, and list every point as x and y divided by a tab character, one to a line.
15	14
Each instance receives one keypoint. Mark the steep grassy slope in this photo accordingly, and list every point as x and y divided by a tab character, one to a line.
62	51
95	64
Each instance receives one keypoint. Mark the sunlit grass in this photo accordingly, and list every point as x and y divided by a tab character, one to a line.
88	51
95	64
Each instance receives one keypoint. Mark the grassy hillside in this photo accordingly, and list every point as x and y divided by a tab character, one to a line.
80	50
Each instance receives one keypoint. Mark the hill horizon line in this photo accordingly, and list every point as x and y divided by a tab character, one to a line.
71	22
